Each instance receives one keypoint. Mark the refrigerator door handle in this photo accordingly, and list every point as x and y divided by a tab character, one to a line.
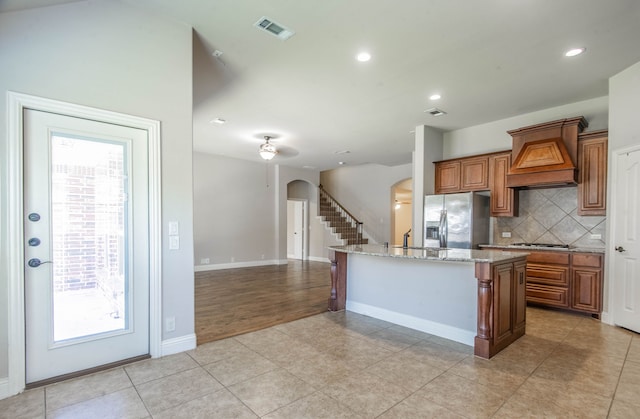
443	229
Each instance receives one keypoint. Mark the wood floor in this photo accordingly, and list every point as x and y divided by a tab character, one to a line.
230	302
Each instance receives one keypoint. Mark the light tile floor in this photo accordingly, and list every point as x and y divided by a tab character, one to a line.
345	365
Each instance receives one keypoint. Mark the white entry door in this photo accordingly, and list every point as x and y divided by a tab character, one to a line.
626	258
86	244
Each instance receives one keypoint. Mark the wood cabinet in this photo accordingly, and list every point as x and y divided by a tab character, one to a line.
586	282
592	177
570	280
501	305
548	278
520	270
462	175
480	173
474	174
447	177
504	200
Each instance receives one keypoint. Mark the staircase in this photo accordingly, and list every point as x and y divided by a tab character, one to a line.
336	217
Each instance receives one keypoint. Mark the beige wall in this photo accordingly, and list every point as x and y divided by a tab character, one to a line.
111	56
493	136
365	191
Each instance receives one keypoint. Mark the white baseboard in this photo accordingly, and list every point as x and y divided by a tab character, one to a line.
179	344
448	332
605	318
319	259
233	265
4	388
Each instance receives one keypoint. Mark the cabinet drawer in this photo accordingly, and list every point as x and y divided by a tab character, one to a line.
549	295
548	274
558	258
592	260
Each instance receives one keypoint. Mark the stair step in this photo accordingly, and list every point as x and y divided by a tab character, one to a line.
338	223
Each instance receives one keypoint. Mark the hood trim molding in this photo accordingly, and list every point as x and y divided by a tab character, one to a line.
545	155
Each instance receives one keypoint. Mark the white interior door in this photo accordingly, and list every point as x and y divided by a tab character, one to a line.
86	244
295	229
626	278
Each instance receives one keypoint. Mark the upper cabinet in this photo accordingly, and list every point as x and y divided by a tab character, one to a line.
486	172
447	176
474	173
462	175
592	166
504	200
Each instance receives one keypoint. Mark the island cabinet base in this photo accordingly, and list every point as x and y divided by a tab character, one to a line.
501	294
501	306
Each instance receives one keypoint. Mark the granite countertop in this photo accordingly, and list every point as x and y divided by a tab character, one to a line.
430	253
551	249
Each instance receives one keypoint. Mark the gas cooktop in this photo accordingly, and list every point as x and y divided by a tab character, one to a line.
559	246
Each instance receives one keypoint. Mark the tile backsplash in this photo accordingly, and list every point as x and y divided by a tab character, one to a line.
550	216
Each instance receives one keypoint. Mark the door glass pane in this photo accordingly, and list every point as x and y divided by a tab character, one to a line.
88	223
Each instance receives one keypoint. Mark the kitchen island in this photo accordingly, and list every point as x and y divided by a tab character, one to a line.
476	297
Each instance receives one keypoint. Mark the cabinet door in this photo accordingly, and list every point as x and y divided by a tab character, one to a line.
504	298
585	292
504	201
521	295
475	174
592	164
448	177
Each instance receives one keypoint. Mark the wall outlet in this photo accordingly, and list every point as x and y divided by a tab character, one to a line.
262	256
170	324
205	261
596	237
233	259
174	242
506	234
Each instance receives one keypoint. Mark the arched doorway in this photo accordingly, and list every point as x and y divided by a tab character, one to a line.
401	210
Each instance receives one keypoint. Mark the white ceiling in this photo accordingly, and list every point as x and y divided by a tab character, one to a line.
489	60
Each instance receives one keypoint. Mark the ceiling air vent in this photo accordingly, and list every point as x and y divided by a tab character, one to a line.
274	28
435	112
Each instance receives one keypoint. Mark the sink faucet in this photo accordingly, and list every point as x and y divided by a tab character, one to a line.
405	239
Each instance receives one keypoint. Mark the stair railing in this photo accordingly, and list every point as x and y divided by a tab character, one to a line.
341	212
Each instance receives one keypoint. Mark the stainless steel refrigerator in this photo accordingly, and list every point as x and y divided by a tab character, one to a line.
456	220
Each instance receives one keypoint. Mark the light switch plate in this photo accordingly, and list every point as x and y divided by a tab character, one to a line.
506	234
596	236
173	228
174	242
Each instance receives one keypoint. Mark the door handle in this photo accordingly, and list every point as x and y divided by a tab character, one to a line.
35	262
620	249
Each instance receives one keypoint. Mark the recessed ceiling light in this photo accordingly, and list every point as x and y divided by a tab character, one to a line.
435	97
575	51
363	57
342	152
219	121
341	163
308	167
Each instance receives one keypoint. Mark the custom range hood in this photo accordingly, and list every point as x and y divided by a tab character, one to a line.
545	155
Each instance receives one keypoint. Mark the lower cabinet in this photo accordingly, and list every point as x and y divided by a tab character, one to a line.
569	280
586	284
510	301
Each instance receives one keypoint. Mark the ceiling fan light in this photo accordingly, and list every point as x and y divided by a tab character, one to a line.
267	151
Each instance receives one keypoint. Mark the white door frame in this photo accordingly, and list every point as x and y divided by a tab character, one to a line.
14	270
609	316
